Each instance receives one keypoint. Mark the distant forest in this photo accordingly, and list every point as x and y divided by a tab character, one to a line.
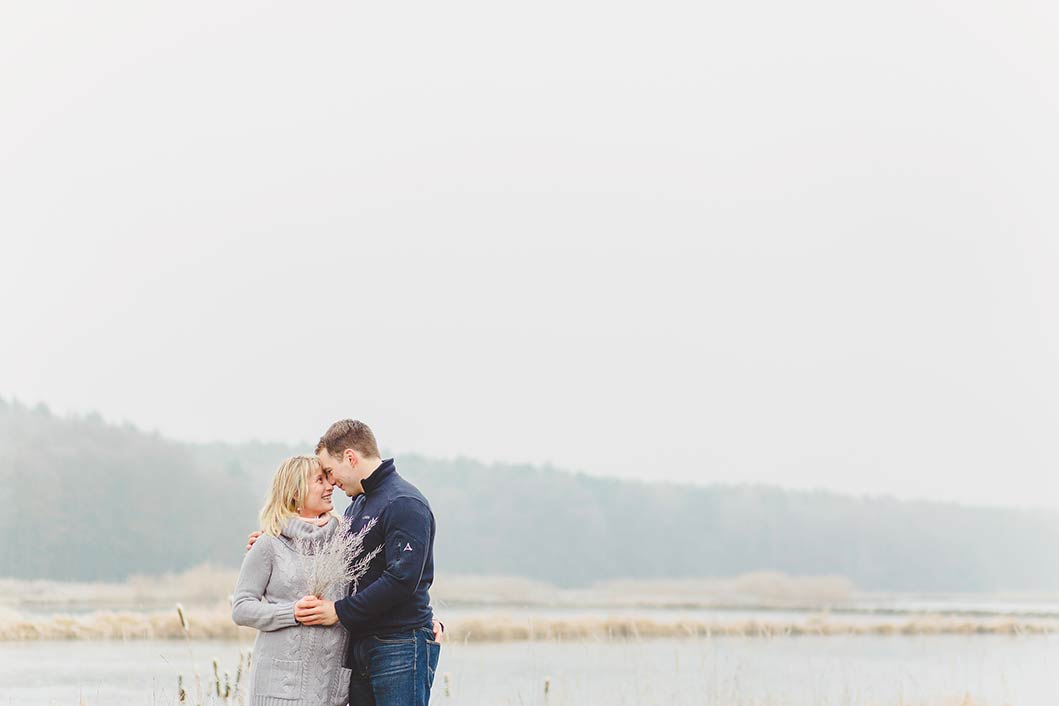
88	500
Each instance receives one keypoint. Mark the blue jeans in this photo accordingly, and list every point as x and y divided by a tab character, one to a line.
396	669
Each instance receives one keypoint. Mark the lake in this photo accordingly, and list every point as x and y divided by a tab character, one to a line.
799	671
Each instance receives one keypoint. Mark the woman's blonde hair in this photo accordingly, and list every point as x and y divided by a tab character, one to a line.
289	491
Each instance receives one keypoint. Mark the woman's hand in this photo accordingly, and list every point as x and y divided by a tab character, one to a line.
315	611
439	630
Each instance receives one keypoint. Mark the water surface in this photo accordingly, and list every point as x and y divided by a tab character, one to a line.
800	671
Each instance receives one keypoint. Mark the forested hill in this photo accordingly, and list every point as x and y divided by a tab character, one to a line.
88	500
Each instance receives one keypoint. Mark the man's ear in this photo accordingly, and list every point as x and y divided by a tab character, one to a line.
351	456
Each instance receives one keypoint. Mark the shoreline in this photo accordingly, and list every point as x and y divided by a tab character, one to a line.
497	627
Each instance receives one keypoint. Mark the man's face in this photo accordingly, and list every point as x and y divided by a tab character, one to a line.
340	471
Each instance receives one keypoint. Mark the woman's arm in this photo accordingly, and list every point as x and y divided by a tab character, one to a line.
248	605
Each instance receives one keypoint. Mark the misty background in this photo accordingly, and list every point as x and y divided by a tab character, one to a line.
722	337
86	499
808	246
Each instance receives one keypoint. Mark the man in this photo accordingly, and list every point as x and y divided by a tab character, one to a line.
392	649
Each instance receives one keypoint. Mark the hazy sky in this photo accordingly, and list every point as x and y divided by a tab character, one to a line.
812	244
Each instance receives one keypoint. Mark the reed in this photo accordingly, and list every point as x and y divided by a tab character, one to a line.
216	624
223	693
333	564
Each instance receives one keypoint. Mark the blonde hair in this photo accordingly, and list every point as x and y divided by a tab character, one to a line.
289	491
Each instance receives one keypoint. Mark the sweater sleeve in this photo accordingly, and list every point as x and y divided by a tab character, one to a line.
407	530
249	606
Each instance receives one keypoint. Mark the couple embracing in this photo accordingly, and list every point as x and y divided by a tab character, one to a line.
373	643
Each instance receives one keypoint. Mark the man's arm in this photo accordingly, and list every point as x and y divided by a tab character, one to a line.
406	528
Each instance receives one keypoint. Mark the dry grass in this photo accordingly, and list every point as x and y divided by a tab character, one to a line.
146	609
216	624
201	585
494	629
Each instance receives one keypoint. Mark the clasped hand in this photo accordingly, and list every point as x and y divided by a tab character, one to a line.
311	610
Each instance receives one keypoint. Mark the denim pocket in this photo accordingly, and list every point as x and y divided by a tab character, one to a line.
433	653
284	679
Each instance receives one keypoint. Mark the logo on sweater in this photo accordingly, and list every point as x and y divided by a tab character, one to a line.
407	547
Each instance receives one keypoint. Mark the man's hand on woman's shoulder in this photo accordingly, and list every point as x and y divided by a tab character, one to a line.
252	538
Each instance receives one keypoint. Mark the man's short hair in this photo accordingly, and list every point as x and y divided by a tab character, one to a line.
348	434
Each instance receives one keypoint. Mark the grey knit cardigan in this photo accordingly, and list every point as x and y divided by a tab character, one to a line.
293	664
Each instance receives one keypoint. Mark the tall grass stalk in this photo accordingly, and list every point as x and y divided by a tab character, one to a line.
336	562
225	692
185	627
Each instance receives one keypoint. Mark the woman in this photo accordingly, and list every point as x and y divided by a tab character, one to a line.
293	664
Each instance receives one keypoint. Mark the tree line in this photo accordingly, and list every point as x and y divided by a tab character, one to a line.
89	500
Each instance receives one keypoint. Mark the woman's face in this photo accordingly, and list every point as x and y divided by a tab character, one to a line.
319	500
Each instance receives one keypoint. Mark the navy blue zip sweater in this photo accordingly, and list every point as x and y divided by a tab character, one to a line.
394	594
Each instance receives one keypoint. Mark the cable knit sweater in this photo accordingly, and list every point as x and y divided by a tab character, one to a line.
293	664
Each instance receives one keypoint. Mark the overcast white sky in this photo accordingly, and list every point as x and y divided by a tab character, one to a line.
811	244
